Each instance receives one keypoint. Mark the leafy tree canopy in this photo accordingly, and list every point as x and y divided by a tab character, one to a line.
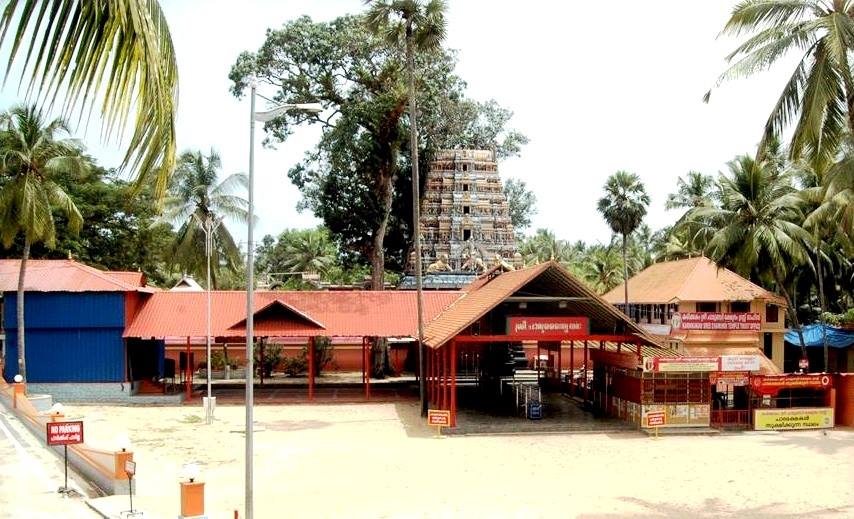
362	155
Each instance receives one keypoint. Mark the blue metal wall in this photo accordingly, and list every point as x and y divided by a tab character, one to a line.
71	337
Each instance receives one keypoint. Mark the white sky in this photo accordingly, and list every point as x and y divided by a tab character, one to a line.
596	86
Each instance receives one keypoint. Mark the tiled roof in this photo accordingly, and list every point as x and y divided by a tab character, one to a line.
692	279
549	279
67	276
327	313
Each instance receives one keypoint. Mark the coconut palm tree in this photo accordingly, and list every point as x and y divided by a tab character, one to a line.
695	190
32	153
416	26
602	269
623	207
819	95
116	55
309	251
758	226
544	246
195	197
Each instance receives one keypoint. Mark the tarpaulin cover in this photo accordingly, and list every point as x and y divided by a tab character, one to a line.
836	337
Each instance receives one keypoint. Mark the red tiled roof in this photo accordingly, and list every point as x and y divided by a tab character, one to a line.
692	279
488	292
350	314
66	276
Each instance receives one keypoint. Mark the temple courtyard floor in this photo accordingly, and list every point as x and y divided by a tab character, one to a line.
380	460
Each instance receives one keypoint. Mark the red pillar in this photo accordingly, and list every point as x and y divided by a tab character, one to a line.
584	375
447	380
453	383
537	362
310	369
367	368
430	366
187	371
363	361
559	360
572	368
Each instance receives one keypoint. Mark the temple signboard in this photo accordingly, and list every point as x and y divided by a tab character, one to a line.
725	321
548	327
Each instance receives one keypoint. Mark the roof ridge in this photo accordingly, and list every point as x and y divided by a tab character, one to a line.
100	274
691	274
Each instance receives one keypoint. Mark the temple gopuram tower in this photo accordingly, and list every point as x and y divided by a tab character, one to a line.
464	213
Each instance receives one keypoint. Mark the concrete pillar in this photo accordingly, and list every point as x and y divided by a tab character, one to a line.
192	499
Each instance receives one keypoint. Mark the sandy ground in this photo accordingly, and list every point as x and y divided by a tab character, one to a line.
379	461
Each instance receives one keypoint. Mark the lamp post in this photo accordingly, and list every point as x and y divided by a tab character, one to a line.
210	225
250	277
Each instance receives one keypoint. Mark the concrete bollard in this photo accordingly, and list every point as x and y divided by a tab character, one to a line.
19	388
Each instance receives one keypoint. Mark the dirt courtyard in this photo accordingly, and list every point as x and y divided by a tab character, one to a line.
377	460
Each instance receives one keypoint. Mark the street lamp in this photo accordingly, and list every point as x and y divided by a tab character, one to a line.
209	226
250	274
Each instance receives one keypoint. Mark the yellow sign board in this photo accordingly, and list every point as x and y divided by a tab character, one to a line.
791	419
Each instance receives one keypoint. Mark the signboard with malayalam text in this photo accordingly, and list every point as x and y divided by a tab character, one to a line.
716	321
64	433
438	418
556	327
793	419
684	364
130	467
739	362
772	384
655	419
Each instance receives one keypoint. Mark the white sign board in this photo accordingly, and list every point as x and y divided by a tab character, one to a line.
739	362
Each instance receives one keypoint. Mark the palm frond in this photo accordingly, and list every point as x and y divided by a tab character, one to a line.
118	51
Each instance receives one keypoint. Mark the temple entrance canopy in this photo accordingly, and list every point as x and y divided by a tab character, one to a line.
514	335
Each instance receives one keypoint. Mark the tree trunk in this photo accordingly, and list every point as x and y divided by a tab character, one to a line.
19	308
416	214
793	315
378	252
821	301
625	278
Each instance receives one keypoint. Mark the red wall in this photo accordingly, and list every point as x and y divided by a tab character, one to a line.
844	412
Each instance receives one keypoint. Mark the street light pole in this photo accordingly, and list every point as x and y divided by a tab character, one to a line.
250	288
250	280
210	226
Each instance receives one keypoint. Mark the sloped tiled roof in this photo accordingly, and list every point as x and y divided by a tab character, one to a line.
341	314
548	278
692	279
67	276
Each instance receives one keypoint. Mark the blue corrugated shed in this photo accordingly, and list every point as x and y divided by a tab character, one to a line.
70	337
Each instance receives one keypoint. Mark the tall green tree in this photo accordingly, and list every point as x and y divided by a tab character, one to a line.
522	203
296	252
116	55
123	231
602	269
33	151
819	95
197	198
758	226
623	208
362	157
416	27
695	190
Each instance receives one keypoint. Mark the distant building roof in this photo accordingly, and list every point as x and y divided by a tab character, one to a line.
187	284
67	276
359	313
692	279
438	280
